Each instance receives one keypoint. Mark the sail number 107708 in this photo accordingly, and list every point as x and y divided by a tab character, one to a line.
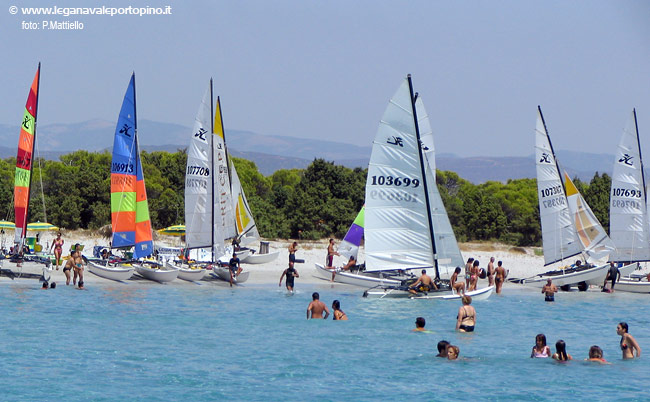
394	181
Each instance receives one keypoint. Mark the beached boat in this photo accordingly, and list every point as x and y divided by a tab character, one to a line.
156	272
403	292
130	223
406	227
569	227
209	218
114	271
21	264
634	283
187	272
223	273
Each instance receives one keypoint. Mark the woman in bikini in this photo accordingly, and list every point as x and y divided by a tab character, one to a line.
78	266
540	350
69	265
466	318
456	285
338	313
57	245
628	343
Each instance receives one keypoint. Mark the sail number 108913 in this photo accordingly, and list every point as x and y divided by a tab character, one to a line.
394	181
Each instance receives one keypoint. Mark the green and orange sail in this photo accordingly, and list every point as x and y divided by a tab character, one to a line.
23	177
129	208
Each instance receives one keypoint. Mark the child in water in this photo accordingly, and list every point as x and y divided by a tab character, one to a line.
540	350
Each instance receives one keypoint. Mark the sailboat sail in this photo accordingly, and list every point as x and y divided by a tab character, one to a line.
22	179
558	230
397	229
349	247
245	224
222	180
628	216
593	237
447	252
129	207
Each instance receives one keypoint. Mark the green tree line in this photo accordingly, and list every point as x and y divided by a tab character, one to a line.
317	202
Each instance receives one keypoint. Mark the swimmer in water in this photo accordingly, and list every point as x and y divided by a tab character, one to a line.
628	343
560	352
540	350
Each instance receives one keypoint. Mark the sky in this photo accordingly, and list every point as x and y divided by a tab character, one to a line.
325	69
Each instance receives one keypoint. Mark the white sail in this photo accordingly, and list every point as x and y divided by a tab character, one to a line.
447	252
396	218
628	213
225	217
244	222
592	235
558	231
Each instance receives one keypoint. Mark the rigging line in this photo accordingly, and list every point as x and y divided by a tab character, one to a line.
40	177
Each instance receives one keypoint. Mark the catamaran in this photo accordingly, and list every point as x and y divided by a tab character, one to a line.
209	217
21	264
569	227
405	224
629	227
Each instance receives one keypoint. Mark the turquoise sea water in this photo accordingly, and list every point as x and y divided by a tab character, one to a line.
156	342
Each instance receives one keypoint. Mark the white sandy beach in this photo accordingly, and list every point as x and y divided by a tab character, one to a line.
521	262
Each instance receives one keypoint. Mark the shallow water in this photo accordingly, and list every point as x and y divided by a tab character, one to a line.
156	342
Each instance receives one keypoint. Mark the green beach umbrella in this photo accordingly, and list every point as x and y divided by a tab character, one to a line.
175	230
7	225
41	226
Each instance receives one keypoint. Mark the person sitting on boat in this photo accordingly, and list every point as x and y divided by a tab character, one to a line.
235	244
234	266
466	318
420	322
442	348
549	290
613	274
423	284
347	267
456	285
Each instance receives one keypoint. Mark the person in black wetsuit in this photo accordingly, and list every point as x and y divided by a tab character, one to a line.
291	274
235	267
613	274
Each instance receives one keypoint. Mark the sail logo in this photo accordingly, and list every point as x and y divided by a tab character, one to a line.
28	122
125	130
626	159
395	141
546	158
201	133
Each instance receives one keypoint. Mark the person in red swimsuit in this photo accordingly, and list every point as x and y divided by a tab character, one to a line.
57	245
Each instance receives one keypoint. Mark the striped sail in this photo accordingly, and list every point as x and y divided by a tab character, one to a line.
447	252
628	212
129	207
559	238
246	228
225	217
593	237
349	247
397	229
22	179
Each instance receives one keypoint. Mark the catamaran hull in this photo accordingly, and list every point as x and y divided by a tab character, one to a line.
188	274
28	269
625	270
632	286
261	258
587	275
158	275
364	280
479	294
114	273
223	273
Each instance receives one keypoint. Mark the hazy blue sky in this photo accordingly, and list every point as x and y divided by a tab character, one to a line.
326	69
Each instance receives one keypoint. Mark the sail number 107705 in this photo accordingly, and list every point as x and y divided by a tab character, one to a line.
394	181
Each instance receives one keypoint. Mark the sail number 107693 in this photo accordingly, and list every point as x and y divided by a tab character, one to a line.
394	181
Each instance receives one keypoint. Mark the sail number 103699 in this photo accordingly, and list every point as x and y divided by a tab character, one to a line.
394	181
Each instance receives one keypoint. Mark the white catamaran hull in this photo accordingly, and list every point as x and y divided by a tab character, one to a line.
479	294
223	273
625	270
261	258
586	275
116	273
364	280
639	285
157	274
188	274
28	269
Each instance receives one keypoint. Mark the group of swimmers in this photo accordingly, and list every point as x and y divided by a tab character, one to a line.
629	347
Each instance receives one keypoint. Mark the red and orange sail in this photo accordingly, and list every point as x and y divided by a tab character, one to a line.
22	180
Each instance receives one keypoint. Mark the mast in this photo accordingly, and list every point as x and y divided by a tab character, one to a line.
212	163
424	177
638	142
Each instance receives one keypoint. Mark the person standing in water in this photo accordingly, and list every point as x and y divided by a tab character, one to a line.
290	273
540	350
339	315
628	343
500	276
316	308
420	322
560	352
466	318
549	291
490	272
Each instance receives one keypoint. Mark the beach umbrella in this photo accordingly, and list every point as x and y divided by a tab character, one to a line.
7	225
41	226
175	230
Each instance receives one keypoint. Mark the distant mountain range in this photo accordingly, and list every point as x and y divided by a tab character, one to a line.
274	152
